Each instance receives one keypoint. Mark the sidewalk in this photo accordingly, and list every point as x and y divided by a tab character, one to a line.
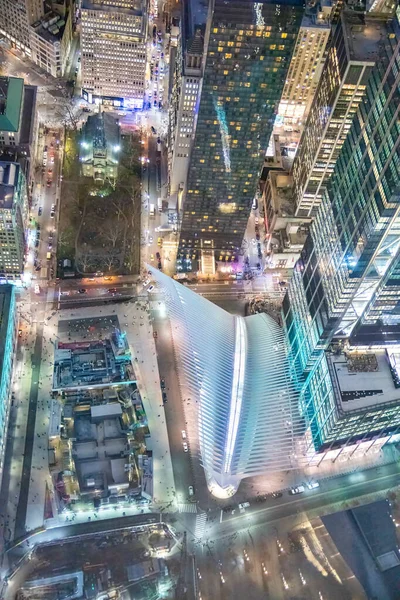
366	456
141	341
40	475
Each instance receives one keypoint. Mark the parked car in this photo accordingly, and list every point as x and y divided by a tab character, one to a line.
312	485
185	447
297	490
183	434
191	490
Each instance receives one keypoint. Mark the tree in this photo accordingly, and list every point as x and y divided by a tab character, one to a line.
69	113
84	263
112	231
65	237
110	262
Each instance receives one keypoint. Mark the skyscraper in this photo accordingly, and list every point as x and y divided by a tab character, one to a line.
8	342
16	17
247	50
345	291
352	54
114	51
13	220
186	71
43	31
306	66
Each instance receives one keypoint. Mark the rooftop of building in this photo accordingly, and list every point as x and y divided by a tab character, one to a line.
11	97
376	334
318	16
113	7
28	115
363	35
50	27
366	538
365	378
282	193
193	24
9	172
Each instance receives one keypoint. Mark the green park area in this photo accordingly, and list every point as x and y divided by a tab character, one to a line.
99	227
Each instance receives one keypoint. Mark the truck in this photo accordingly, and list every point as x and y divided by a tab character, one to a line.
152	210
159	204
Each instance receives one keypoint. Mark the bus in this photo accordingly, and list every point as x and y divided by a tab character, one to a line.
152	210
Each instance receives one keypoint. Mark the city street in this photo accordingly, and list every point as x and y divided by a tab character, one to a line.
41	262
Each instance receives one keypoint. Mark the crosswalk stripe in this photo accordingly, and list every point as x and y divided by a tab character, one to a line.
200	525
189	507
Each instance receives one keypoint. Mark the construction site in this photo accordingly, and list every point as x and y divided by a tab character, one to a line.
98	455
134	563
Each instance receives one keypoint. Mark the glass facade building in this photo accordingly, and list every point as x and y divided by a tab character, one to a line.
240	400
8	335
247	51
348	274
351	56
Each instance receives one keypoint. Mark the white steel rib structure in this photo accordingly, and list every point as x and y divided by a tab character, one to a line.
235	372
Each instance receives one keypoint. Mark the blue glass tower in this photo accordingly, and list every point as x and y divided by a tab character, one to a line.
346	286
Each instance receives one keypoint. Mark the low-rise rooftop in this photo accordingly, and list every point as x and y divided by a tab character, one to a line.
111	8
364	379
51	27
11	96
363	36
9	172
